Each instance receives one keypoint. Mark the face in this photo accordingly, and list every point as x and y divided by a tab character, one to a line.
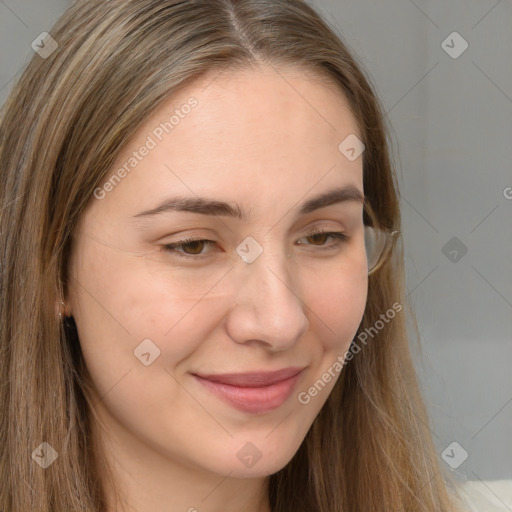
232	244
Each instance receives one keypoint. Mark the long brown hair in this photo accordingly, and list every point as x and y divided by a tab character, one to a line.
62	127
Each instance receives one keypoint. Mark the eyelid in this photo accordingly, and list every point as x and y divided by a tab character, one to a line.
174	247
339	236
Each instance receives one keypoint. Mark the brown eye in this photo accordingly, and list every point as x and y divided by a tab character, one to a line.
188	248
318	238
194	247
321	239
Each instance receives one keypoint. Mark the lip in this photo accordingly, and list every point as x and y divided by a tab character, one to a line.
254	392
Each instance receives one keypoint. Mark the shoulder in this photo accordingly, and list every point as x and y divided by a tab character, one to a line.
486	495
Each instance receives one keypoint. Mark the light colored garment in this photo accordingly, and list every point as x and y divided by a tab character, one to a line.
486	495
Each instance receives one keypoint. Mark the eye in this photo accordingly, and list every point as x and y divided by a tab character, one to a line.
194	248
319	238
188	248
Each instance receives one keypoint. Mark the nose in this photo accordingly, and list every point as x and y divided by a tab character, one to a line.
267	309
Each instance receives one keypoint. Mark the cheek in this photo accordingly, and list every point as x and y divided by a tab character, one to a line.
120	301
338	314
337	300
122	307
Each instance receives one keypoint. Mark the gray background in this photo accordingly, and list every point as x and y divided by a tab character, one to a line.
452	122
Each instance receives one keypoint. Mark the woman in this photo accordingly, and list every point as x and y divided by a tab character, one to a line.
202	292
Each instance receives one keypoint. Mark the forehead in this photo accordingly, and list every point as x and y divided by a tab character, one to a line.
258	133
253	106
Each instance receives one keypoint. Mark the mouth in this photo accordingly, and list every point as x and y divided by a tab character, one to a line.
254	392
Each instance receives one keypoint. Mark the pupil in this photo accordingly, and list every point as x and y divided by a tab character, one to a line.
195	247
318	237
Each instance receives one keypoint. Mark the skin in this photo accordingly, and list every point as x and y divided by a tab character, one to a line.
267	141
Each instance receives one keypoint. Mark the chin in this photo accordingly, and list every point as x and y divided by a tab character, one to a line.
259	458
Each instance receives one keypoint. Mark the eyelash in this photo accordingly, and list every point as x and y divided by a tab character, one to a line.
173	247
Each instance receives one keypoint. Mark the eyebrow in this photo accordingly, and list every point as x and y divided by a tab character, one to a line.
205	206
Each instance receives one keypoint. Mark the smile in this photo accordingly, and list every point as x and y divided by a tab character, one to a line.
253	392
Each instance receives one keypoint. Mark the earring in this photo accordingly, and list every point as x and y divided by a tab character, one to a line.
60	313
